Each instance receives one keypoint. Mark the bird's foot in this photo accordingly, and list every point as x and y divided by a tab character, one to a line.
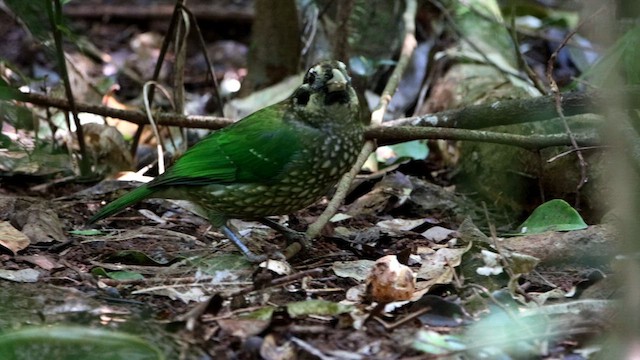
250	255
292	236
254	258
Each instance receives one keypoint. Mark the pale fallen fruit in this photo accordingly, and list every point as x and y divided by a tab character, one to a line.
390	281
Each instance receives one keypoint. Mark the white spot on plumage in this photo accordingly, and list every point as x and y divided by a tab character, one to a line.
259	155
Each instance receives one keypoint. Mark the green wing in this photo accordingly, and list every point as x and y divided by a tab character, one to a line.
255	149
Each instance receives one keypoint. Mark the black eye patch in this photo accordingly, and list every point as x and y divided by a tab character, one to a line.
301	96
336	97
310	78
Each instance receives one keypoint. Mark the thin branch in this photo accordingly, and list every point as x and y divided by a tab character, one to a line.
341	46
413	129
408	46
207	60
136	117
558	104
522	63
55	18
341	191
175	18
452	23
210	11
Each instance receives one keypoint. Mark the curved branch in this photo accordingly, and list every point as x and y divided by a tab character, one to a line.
393	135
514	111
136	117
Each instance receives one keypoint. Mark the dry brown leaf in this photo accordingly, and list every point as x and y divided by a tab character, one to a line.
11	238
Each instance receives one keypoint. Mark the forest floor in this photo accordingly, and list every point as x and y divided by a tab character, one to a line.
161	273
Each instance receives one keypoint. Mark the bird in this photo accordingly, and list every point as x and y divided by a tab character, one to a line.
275	161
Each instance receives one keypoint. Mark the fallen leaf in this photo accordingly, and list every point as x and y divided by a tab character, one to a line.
243	328
438	234
11	238
40	223
400	224
43	261
23	275
357	270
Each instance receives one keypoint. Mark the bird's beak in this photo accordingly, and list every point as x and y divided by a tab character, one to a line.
338	81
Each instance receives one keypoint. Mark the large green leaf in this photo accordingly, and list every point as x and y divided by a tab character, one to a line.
74	342
621	57
9	93
554	215
33	14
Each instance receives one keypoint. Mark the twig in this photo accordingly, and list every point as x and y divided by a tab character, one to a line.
156	71
180	58
452	23
209	10
55	18
282	281
133	116
522	63
565	153
207	60
396	324
343	186
147	105
558	100
341	47
408	46
312	350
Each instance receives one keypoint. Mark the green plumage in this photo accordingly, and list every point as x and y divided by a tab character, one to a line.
275	161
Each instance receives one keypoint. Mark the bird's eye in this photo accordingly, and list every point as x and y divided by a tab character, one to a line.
310	78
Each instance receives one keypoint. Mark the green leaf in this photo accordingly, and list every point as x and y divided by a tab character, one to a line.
33	14
9	93
316	307
500	335
74	342
431	342
19	117
416	149
264	313
117	275
554	215
621	57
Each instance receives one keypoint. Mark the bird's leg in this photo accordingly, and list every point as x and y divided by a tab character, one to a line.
241	246
292	236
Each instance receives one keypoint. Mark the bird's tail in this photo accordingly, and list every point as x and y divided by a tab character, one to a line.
130	198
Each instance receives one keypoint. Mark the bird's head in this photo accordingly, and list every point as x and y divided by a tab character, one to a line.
325	84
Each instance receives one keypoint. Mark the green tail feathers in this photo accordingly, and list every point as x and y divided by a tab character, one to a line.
131	198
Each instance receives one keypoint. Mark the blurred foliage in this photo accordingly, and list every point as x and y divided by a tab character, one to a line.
620	59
